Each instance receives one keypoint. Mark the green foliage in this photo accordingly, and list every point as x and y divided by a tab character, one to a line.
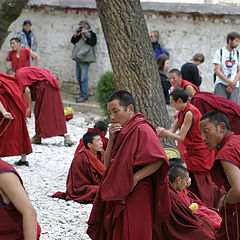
105	88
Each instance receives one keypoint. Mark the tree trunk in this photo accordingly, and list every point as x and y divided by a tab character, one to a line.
9	11
132	58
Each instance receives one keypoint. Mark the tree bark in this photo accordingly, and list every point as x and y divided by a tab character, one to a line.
132	58
9	11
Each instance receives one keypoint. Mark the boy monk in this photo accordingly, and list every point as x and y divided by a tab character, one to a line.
133	194
215	130
199	158
86	170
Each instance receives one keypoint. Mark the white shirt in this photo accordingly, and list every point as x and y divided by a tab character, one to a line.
229	64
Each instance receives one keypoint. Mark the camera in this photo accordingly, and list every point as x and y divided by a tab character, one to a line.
79	29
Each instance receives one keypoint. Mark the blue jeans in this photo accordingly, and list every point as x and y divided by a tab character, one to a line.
82	77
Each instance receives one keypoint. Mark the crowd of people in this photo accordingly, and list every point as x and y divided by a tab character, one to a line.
136	190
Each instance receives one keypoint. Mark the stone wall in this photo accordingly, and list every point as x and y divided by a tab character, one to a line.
185	29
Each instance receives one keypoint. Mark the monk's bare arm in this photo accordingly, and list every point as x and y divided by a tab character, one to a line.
6	63
36	58
29	100
113	129
233	175
190	90
146	171
12	188
180	136
4	112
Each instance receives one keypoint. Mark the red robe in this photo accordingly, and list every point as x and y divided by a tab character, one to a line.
199	159
14	137
84	177
206	102
119	213
185	83
104	140
182	224
48	111
22	61
230	152
211	216
11	226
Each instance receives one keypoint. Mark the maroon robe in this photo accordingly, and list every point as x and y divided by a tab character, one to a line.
104	140
14	137
11	225
84	177
230	152
119	213
182	224
207	102
49	114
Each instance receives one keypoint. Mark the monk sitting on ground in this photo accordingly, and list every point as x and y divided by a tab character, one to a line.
182	223
101	127
86	171
18	218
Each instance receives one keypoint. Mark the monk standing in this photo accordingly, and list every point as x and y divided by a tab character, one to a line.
42	87
215	130
198	156
133	195
86	170
14	138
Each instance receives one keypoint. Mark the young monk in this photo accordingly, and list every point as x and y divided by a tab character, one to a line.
182	223
101	127
86	171
42	87
215	130
198	156
133	194
14	137
18	218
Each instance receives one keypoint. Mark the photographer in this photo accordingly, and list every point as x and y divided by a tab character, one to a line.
83	56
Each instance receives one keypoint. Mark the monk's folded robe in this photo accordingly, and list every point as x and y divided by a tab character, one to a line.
230	152
211	216
119	213
182	224
199	159
14	137
206	102
48	111
11	222
84	177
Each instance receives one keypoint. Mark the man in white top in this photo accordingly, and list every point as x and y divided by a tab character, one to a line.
227	68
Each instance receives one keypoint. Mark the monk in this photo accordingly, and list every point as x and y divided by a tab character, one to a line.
175	78
199	158
133	195
100	127
42	87
182	223
215	130
86	171
206	102
190	198
18	218
14	137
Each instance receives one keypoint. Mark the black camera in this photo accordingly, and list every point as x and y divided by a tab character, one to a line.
79	29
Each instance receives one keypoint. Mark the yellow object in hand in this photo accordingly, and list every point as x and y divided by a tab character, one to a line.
193	207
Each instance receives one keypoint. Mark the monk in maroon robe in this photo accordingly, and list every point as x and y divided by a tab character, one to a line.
206	102
14	137
199	158
133	195
215	130
86	171
100	127
18	218
42	87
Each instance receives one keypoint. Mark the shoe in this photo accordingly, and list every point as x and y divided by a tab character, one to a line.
67	141
20	163
81	99
36	140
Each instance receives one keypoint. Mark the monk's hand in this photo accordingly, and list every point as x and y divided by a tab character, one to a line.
161	132
135	181
221	202
113	129
8	115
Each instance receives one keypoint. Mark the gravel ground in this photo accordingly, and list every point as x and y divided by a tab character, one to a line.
47	174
